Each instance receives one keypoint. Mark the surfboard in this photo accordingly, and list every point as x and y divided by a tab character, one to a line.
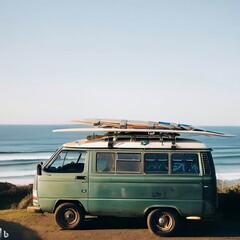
134	124
177	125
115	123
145	130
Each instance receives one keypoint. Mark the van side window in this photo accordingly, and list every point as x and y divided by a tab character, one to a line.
185	164
156	163
106	162
68	162
128	162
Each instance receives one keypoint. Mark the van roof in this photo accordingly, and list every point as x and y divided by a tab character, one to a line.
178	143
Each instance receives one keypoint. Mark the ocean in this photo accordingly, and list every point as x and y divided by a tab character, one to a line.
22	147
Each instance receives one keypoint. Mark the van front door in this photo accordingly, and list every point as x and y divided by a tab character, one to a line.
65	177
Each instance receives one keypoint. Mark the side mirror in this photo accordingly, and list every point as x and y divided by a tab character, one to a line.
39	169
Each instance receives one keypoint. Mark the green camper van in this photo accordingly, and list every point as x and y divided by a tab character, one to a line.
161	177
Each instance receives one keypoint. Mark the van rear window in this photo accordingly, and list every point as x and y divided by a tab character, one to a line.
128	162
156	163
118	162
106	162
184	164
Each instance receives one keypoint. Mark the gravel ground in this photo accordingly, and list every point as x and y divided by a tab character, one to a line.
20	224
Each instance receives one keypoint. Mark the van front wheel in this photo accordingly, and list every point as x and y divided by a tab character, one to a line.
162	222
69	216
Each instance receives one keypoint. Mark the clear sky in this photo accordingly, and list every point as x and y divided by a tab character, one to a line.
169	60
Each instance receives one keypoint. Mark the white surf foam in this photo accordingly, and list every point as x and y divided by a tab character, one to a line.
25	156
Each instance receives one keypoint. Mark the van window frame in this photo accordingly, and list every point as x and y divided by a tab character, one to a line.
200	173
119	160
116	171
157	172
96	162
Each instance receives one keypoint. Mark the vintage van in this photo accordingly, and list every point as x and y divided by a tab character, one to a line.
164	179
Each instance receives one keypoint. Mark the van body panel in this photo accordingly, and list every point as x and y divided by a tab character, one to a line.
209	196
119	192
57	186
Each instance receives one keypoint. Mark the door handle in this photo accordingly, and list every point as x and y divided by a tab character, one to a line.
81	177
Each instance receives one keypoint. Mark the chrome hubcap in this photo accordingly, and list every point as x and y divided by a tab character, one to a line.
165	222
70	216
162	221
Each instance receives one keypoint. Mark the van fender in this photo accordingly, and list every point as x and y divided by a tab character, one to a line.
60	201
151	208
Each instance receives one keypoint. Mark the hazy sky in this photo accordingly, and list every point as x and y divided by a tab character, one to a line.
166	60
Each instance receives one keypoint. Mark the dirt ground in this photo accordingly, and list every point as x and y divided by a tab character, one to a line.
21	225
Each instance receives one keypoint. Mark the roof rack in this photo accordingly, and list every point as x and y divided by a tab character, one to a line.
143	137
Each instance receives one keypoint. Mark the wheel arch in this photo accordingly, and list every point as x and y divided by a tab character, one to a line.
167	208
61	201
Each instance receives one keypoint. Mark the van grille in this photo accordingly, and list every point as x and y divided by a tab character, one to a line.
206	163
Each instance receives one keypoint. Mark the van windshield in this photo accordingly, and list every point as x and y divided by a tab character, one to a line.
67	161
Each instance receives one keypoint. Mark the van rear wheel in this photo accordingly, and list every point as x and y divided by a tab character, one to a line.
163	222
69	216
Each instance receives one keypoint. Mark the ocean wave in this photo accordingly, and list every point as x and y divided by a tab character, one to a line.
231	152
21	152
16	177
227	164
228	176
23	162
25	156
17	174
226	156
217	148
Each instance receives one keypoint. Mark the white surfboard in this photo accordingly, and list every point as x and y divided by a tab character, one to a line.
131	130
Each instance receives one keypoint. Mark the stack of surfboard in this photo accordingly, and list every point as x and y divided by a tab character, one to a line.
129	126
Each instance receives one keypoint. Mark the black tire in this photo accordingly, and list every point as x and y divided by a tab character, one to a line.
163	222
69	216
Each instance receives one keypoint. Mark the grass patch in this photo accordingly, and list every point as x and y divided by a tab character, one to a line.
11	196
229	201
